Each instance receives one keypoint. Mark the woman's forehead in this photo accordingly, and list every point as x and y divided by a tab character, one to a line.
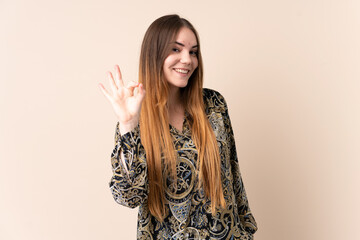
186	37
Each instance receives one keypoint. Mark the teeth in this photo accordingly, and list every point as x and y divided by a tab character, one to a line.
181	70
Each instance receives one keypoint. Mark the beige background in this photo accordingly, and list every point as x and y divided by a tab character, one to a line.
289	70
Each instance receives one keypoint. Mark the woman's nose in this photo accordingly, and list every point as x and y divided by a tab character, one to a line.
185	58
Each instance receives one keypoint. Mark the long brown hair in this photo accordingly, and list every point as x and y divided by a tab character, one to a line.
154	122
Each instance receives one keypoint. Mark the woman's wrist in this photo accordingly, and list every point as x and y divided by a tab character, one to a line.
127	127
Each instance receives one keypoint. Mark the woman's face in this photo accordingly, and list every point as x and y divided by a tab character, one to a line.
182	60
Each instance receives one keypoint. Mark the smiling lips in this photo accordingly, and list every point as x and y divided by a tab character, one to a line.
181	70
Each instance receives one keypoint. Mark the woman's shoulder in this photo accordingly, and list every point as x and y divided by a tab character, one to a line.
210	92
213	98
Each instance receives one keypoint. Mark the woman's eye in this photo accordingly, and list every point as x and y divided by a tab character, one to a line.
175	50
193	53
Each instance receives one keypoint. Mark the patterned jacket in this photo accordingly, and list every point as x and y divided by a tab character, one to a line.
188	210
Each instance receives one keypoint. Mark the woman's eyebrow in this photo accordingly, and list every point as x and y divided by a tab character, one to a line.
195	46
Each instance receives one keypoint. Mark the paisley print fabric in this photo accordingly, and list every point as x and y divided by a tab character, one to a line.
188	210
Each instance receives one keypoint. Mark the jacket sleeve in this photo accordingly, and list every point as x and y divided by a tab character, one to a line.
128	184
246	217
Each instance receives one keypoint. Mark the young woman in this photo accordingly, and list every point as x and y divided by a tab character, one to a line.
174	152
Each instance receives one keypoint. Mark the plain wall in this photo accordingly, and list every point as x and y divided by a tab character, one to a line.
289	70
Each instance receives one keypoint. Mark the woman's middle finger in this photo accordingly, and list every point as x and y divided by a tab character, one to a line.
112	83
118	78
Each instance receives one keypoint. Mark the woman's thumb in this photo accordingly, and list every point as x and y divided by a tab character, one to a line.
141	93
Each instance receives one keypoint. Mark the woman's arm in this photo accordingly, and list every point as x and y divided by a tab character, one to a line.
128	184
247	219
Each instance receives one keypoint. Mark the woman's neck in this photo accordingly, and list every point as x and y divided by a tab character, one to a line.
174	99
176	111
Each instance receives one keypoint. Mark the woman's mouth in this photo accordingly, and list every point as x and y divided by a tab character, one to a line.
181	70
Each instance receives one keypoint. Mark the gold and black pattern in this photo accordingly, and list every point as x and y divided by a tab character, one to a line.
188	210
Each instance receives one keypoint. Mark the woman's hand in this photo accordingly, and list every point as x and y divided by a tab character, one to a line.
125	103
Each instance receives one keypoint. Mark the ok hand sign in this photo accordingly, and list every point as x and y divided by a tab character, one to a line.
125	103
